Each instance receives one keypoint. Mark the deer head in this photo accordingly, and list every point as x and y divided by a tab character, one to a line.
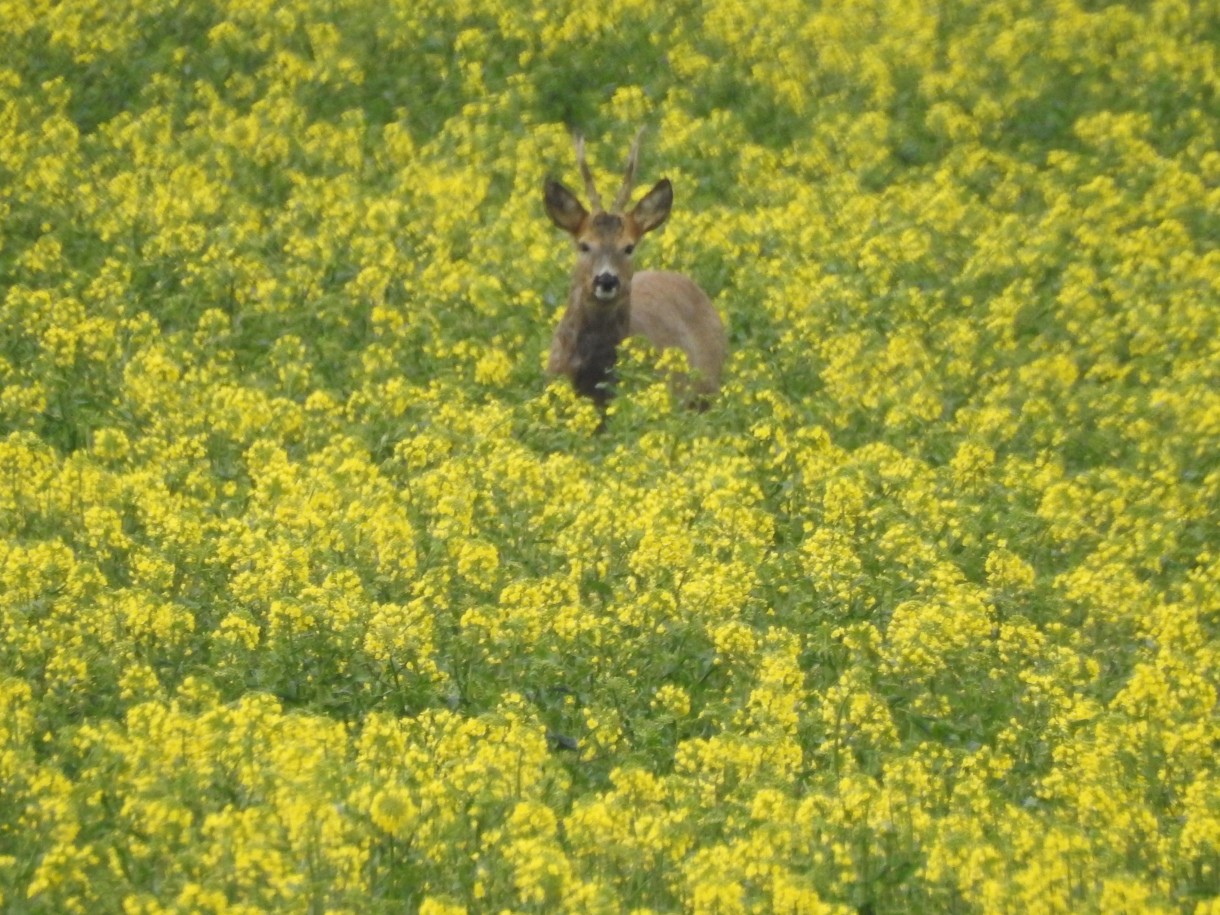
606	240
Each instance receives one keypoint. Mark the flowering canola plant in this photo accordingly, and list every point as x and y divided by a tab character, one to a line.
316	595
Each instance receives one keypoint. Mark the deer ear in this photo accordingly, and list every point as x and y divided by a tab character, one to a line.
653	208
563	207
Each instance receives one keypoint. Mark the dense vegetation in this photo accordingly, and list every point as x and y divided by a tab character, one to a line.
317	596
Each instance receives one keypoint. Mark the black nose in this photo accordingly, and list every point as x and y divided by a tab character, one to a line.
606	282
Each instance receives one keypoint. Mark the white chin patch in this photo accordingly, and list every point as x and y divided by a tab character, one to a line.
600	292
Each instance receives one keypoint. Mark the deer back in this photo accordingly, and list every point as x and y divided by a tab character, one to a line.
670	310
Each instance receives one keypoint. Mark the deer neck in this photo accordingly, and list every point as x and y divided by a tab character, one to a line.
600	328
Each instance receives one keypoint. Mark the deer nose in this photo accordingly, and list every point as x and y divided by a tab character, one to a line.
605	283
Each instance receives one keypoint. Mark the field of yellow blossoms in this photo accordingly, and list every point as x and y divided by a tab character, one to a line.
317	596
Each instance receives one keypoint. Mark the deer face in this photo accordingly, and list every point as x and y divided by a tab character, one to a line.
605	242
603	259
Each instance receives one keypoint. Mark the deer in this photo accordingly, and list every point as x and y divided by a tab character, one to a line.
609	301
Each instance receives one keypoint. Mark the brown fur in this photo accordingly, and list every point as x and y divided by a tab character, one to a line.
608	301
669	309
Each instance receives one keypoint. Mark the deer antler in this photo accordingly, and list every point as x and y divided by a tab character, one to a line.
624	194
595	198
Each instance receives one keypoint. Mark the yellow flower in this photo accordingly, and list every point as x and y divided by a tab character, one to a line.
393	810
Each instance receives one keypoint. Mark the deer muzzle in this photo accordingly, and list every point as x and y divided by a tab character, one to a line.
606	285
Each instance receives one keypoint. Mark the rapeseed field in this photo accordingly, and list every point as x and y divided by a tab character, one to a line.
318	596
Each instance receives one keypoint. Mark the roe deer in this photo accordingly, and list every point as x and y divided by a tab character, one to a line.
609	301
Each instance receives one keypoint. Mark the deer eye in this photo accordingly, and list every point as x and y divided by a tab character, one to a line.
629	249
583	247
